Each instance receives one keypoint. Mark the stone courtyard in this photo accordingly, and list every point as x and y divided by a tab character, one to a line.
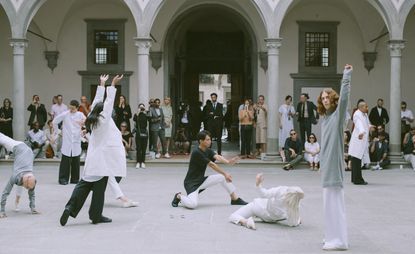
380	215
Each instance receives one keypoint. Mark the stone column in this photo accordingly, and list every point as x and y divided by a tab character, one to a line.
143	52
273	91
19	123
395	47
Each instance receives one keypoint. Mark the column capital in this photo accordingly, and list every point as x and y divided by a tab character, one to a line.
19	45
143	45
273	43
396	47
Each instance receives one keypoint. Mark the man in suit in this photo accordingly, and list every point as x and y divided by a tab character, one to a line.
214	116
157	126
306	116
379	115
359	142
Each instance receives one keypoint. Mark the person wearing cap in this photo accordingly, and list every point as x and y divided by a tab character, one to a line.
278	204
72	120
22	172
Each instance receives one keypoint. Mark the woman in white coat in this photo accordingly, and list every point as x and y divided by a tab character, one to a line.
105	157
359	143
274	205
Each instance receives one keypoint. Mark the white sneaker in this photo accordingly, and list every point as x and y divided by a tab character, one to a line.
143	165
375	167
137	165
129	203
167	155
380	168
250	223
158	156
334	248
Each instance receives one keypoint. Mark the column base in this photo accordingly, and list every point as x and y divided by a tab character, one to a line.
395	149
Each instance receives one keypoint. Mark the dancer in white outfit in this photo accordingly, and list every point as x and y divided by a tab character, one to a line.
278	204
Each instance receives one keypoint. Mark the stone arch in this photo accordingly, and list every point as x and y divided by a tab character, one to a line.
406	8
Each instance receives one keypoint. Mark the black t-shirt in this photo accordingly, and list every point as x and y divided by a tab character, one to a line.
197	167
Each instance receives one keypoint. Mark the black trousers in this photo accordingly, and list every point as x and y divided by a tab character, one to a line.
215	130
246	139
156	135
69	165
81	192
141	146
305	127
357	170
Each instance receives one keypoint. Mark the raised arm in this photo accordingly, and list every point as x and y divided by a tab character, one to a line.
266	193
345	92
99	96
109	101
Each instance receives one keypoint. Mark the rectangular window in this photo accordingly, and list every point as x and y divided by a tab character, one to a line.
106	47
317	49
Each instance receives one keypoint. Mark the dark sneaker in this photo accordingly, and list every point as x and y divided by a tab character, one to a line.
176	200
238	201
64	217
103	219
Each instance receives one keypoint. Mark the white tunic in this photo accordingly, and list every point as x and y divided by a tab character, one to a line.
71	132
312	148
358	147
286	123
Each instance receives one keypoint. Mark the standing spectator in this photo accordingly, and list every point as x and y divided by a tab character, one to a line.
36	139
286	114
122	112
54	101
246	119
306	116
150	137
127	138
215	120
85	106
379	115
141	135
359	142
293	148
185	118
261	125
37	112
379	149
312	152
168	122
181	141
206	115
72	120
53	139
409	147
6	118
58	108
157	128
228	119
406	119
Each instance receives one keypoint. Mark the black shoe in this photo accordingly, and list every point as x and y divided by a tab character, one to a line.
286	167
63	182
361	183
238	201
176	200
103	219
74	182
64	217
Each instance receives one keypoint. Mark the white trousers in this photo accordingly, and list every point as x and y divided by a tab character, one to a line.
115	187
310	159
410	158
335	228
257	208
191	201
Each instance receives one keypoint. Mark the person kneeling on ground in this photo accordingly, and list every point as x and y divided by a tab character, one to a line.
22	172
196	181
274	205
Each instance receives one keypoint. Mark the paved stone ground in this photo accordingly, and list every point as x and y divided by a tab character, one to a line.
381	216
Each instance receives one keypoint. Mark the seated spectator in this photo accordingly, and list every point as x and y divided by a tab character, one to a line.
381	129
181	141
127	138
373	133
292	149
379	152
84	142
409	148
347	159
312	152
36	140
53	141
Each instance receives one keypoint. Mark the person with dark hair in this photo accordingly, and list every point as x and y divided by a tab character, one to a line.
185	118
246	121
122	112
293	149
409	147
181	141
261	116
72	121
84	107
214	116
306	116
58	108
53	139
36	139
157	125
196	181
379	150
141	135
312	152
347	158
228	119
6	118
127	138
37	112
333	108
407	118
286	115
379	115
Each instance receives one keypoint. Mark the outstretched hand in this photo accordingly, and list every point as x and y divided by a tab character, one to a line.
228	178
103	79
348	68
234	160
116	79
259	179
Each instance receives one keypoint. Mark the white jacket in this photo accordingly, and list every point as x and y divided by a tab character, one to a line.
358	146
106	153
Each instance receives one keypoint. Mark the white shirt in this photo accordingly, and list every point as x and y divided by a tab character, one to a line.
8	143
38	137
57	109
71	132
379	111
312	147
408	114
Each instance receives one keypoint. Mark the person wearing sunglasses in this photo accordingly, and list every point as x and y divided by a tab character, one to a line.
292	149
312	152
